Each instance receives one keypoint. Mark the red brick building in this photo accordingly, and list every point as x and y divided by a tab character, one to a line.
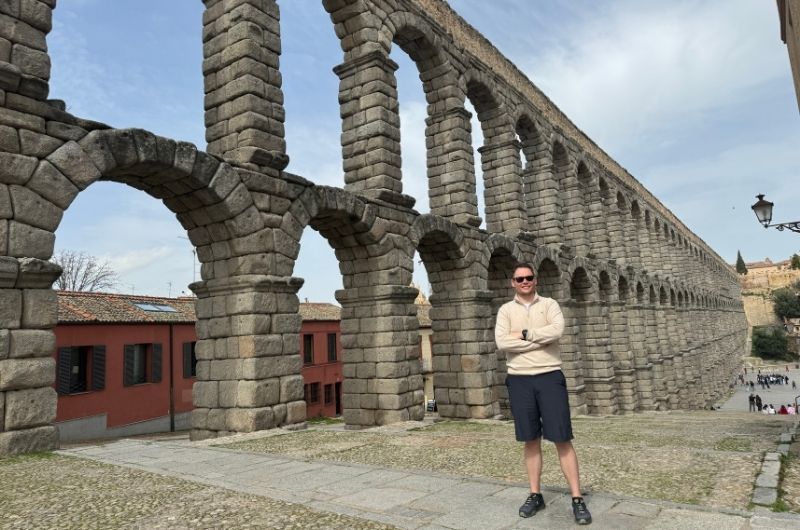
125	364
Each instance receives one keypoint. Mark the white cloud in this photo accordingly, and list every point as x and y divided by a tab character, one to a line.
138	258
635	68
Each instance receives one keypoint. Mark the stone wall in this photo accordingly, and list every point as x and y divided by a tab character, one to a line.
654	316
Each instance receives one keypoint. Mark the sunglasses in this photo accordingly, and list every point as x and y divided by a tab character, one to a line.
520	279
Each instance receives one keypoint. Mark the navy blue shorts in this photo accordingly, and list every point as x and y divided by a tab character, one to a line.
540	406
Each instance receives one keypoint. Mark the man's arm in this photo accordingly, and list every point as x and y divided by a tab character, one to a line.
554	328
510	340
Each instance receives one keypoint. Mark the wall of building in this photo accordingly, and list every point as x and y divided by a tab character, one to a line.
128	405
321	371
120	410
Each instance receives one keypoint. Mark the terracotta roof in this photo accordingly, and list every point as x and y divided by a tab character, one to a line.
85	307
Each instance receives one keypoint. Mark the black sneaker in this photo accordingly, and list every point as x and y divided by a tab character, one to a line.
532	504
581	512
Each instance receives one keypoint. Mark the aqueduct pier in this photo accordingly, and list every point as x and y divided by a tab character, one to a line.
654	316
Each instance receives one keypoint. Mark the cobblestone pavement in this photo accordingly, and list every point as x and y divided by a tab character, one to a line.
45	491
704	458
653	470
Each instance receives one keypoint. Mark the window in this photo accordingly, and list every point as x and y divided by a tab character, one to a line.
308	349
331	347
328	394
81	369
142	364
189	360
311	392
155	308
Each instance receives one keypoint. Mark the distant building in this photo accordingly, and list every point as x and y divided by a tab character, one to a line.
125	364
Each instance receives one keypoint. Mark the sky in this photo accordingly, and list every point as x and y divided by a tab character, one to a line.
693	97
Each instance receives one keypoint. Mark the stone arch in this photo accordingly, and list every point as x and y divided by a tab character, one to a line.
351	16
624	292
208	197
212	202
605	286
548	274
562	173
588	219
581	287
532	147
447	125
500	163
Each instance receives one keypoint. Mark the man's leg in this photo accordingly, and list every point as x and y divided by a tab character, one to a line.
569	466
533	463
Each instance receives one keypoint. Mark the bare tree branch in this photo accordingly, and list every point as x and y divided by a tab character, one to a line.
83	272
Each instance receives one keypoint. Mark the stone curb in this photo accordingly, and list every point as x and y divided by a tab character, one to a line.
765	492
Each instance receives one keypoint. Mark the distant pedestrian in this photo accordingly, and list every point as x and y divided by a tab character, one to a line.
751	400
758	403
794	385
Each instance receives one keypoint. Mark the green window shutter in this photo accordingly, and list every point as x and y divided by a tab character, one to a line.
187	360
156	363
127	372
64	370
98	367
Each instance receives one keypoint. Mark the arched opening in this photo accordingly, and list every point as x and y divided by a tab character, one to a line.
532	163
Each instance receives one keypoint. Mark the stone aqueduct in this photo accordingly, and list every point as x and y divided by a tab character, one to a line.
654	316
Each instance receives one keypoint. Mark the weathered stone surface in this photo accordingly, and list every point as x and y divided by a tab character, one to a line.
75	164
30	61
36	144
249	420
5	341
30	408
296	412
18	374
10	308
39	309
291	388
33	209
35	273
29	241
258	393
31	343
17	169
28	440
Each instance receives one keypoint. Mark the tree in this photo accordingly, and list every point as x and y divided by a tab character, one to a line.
795	262
771	343
83	272
786	301
741	268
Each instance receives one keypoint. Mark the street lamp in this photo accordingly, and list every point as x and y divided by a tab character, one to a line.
763	211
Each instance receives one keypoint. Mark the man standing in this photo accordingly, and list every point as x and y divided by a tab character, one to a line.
528	329
752	400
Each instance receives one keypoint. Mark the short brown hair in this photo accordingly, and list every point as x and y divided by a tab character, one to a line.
523	266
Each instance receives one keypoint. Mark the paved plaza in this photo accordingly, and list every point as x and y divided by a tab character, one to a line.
403	499
650	470
775	394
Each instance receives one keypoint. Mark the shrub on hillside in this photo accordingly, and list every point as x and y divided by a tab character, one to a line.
770	343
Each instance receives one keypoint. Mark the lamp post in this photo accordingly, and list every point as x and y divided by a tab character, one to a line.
763	211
